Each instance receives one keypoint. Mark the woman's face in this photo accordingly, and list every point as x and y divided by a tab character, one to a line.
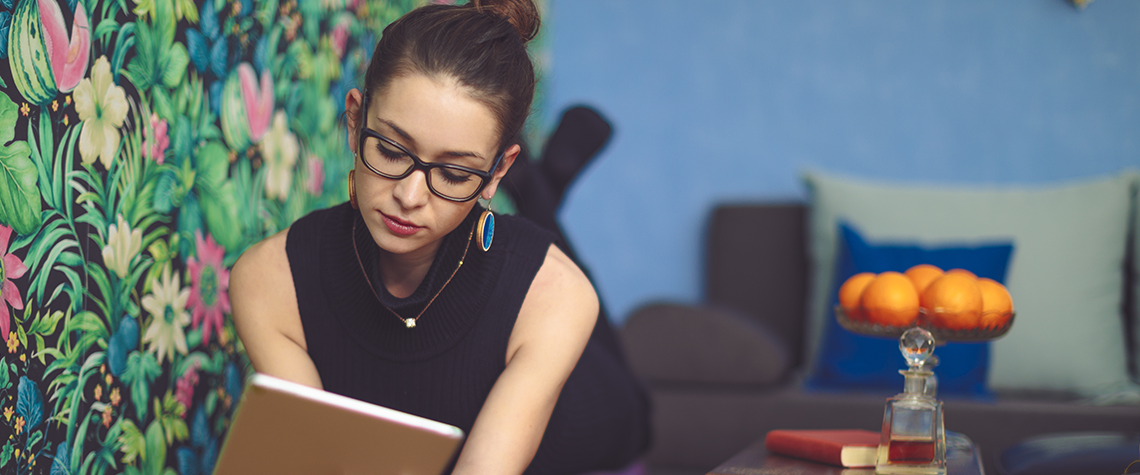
437	121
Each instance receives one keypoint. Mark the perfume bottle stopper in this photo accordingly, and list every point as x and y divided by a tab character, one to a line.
916	345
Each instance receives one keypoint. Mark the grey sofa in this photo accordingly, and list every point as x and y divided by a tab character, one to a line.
723	373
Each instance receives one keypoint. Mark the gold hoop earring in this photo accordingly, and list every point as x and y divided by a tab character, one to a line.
352	189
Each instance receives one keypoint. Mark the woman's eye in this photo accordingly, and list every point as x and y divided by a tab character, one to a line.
454	177
391	153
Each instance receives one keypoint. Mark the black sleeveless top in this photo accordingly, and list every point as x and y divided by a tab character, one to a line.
444	368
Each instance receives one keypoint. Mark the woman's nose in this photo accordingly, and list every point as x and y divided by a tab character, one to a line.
412	191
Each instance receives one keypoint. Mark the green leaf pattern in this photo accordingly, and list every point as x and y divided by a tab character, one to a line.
19	196
84	387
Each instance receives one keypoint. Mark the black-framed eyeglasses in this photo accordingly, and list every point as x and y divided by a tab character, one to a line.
389	159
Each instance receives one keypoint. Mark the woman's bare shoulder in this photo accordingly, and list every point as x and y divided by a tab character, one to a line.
269	252
560	309
261	280
561	280
265	312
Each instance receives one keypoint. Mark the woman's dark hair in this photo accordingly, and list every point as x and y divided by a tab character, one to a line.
482	45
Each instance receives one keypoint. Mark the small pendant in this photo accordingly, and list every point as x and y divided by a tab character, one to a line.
410	322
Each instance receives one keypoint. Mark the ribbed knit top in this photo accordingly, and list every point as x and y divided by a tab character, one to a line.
444	368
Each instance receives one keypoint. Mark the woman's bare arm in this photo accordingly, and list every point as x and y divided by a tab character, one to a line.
549	336
265	313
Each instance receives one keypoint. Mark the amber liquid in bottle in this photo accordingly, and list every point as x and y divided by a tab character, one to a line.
911	451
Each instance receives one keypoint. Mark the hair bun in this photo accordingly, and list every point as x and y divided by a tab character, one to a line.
523	15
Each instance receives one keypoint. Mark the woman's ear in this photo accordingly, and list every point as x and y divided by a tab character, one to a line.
352	115
509	157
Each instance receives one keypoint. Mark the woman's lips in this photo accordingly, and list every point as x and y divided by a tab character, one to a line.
399	227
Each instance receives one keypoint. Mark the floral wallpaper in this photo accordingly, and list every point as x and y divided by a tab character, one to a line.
144	144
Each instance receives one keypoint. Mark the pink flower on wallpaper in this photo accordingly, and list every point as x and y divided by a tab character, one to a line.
68	59
258	98
210	283
156	142
316	180
338	39
184	387
11	267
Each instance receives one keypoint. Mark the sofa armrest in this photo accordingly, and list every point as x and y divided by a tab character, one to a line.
672	343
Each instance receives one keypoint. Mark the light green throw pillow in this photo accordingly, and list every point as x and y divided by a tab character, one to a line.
1065	275
1136	275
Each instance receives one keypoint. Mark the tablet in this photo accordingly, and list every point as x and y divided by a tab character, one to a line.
286	428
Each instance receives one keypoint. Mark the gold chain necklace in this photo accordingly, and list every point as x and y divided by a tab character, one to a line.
409	322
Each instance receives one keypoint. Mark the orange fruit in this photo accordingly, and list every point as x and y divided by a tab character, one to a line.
922	275
962	271
997	305
891	299
954	301
851	292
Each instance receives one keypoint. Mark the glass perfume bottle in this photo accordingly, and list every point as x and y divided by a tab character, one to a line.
913	440
931	386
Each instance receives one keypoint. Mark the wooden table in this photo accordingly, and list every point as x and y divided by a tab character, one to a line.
962	458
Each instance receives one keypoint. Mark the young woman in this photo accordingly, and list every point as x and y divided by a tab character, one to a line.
413	297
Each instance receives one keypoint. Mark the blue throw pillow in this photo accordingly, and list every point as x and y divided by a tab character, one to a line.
849	361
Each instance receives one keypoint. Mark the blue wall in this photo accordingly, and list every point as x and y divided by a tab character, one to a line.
731	100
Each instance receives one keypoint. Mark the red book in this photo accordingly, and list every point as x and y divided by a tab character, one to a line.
844	447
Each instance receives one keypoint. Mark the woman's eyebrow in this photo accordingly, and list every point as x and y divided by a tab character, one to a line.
463	154
397	129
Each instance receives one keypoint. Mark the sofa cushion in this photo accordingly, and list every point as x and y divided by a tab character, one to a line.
850	361
1066	275
756	263
672	343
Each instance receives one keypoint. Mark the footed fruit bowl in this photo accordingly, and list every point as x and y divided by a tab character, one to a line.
941	335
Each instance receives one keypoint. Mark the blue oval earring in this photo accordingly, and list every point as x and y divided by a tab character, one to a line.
485	229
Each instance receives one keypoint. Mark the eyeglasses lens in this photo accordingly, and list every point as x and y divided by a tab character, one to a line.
391	162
